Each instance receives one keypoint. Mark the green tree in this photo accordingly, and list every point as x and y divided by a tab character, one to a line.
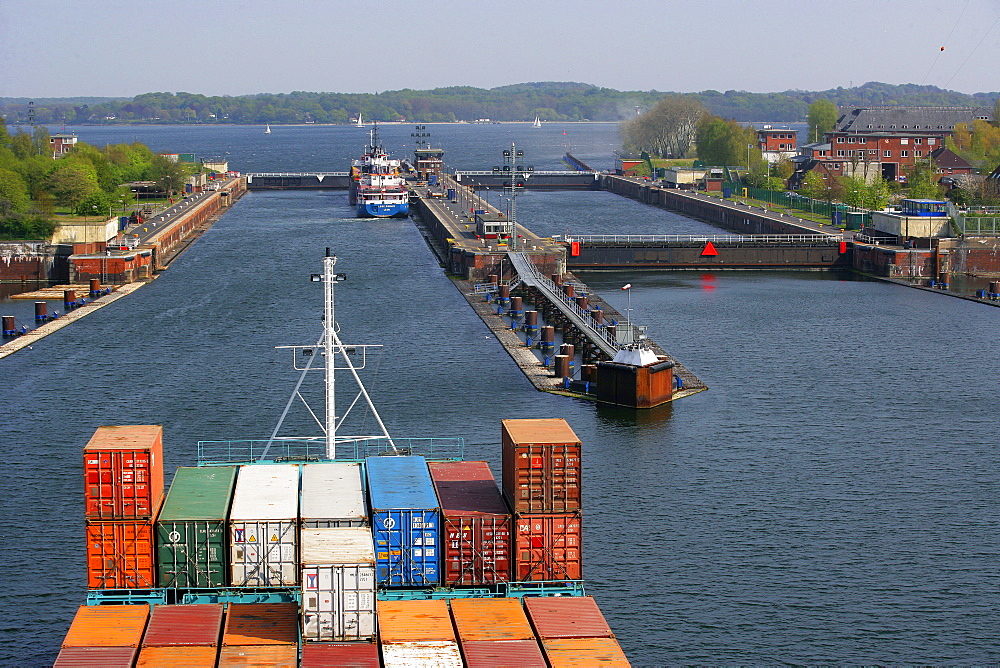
816	187
72	183
722	142
13	192
822	118
921	181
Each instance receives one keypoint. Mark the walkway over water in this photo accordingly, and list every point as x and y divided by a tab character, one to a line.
580	318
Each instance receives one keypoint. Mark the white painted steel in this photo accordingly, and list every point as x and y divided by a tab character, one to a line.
266	492
332	496
262	526
421	655
338	584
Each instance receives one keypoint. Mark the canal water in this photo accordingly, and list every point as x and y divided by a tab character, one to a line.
831	499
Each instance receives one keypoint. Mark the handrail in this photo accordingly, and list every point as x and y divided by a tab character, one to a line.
530	275
703	238
283	174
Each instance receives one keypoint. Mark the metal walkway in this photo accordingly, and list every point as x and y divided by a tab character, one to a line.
581	319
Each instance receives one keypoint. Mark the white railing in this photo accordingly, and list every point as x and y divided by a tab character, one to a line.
318	175
537	172
703	238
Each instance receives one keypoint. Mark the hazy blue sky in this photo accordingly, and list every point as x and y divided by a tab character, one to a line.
59	48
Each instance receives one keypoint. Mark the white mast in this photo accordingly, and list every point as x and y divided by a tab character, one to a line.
329	337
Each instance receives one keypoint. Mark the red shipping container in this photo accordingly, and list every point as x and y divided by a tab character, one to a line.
121	555
503	654
173	625
99	657
548	547
541	466
567	617
123	472
260	624
340	655
476	540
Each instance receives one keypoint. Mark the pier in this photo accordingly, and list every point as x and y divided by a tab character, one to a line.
569	339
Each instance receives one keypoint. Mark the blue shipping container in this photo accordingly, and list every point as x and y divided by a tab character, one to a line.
405	521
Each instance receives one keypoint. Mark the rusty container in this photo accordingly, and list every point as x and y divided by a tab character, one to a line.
541	466
261	624
189	656
172	625
98	657
414	621
107	626
476	524
503	653
121	555
567	617
490	619
584	652
340	654
123	472
548	547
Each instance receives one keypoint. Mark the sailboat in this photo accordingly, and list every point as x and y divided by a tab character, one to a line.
537	123
267	129
360	123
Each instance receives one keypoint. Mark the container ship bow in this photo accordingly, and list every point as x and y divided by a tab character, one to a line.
377	187
337	550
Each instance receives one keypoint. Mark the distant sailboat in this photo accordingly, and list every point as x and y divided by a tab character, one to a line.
537	123
267	129
360	123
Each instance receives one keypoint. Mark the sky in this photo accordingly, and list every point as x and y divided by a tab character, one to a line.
122	48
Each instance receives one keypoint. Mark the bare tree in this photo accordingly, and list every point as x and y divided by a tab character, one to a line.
666	130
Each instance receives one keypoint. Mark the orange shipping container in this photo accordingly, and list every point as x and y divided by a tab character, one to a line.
541	466
414	621
123	472
263	656
490	619
548	547
107	626
584	652
120	555
261	624
189	657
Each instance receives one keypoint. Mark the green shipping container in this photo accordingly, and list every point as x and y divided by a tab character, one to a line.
191	528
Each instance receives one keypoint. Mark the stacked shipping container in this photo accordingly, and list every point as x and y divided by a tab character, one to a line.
338	584
105	636
263	523
541	482
260	634
475	524
573	632
191	528
492	629
405	521
123	489
332	496
182	635
417	633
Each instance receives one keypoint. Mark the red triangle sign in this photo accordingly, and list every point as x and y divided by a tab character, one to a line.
709	249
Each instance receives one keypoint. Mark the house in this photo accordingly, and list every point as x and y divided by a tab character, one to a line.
893	139
61	144
776	143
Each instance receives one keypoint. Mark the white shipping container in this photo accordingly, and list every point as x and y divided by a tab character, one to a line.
338	584
332	496
443	654
262	526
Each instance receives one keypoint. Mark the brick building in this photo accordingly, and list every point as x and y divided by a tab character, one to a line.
777	143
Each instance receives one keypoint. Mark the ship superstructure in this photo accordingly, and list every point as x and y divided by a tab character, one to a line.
377	187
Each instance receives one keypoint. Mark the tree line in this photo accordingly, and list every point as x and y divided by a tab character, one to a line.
551	101
34	186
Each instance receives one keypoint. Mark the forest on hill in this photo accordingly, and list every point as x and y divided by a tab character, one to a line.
551	101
